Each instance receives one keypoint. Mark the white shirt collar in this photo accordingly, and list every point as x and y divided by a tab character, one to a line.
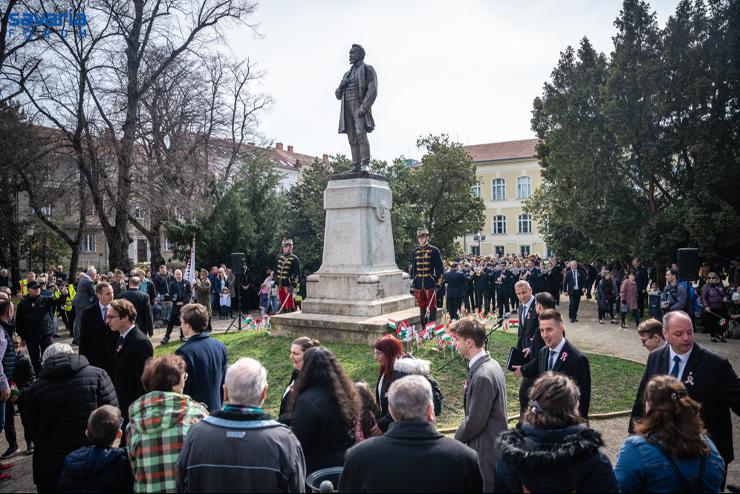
529	304
101	306
559	348
125	333
473	360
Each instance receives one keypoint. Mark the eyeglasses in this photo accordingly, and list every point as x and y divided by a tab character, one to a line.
111	317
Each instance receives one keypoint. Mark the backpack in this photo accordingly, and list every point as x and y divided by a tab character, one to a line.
694	484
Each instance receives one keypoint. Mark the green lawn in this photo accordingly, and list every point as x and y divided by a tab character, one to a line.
614	381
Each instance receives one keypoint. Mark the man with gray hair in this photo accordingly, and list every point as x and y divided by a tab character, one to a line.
240	448
385	463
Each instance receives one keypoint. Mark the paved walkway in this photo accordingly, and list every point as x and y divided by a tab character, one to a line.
587	334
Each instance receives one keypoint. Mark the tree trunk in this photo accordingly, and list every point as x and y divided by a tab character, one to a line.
155	250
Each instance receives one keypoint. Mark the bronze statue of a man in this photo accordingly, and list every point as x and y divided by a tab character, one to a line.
357	91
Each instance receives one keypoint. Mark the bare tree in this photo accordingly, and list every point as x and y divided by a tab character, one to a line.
93	88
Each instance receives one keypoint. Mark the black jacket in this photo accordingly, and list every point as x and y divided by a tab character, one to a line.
406	366
58	405
456	282
554	460
529	332
411	457
570	362
569	282
24	374
286	413
9	357
97	341
34	318
143	308
162	283
319	426
91	469
128	367
709	379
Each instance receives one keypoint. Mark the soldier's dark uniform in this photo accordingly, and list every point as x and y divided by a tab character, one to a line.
287	277
426	273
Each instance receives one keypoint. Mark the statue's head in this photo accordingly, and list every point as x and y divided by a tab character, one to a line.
356	53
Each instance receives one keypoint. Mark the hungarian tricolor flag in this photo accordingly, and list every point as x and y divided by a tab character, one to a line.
392	324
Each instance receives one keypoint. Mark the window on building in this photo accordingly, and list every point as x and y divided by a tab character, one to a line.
46	210
500	250
525	223
88	242
475	250
498	224
524	250
179	215
139	213
475	190
523	187
167	244
498	189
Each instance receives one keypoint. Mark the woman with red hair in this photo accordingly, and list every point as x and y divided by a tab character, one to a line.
388	349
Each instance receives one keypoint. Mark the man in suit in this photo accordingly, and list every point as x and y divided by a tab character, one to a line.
642	280
132	350
574	285
558	355
84	298
205	357
709	379
456	287
141	304
448	465
97	341
180	293
485	398
34	322
529	340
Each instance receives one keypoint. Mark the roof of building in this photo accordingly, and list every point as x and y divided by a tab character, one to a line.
499	151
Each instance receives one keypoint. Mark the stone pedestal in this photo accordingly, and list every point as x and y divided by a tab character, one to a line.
358	279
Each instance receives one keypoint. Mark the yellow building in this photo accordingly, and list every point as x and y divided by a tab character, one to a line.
508	173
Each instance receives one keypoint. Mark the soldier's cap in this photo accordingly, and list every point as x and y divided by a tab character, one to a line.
33	284
422	231
203	271
287	241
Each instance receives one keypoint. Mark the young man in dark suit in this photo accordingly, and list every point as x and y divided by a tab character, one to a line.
574	285
709	379
97	341
529	340
559	356
142	305
132	350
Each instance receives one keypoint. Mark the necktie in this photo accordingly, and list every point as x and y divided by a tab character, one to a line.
676	363
575	280
551	360
105	314
119	345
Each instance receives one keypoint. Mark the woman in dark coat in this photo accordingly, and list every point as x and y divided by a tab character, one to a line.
58	405
325	411
551	451
297	349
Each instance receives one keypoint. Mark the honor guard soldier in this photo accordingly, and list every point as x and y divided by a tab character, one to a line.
426	273
288	276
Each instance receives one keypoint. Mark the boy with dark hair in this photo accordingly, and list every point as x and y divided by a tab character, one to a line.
100	467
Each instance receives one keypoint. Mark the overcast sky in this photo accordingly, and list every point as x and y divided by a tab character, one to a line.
466	68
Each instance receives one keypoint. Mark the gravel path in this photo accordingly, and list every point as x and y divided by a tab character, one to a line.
587	334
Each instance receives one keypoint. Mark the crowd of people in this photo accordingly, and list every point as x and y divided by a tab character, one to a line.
111	416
